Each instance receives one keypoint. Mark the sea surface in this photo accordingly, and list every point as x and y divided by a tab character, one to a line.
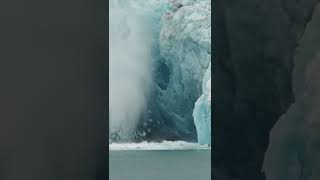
155	162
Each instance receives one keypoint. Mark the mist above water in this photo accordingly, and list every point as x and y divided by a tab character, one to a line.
129	68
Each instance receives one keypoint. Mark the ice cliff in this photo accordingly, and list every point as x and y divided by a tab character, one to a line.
180	58
184	57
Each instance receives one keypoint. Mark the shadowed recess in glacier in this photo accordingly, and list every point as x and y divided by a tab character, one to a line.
176	102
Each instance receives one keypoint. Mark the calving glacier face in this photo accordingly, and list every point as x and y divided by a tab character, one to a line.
163	46
185	54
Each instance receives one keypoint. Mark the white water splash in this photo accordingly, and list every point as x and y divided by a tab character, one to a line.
164	145
129	67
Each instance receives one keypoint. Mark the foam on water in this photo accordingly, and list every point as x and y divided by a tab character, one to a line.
164	145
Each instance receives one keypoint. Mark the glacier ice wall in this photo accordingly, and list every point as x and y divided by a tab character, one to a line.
185	53
170	41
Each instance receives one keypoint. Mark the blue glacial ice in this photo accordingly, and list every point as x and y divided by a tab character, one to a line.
202	110
185	48
180	40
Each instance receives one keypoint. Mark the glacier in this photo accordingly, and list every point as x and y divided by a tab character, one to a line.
178	105
185	48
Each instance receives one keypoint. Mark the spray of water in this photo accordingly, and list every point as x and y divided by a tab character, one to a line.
129	67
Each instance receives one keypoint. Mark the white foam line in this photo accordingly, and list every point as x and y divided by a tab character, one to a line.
164	145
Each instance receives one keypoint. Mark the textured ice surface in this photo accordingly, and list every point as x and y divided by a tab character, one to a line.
164	145
185	49
202	111
179	36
